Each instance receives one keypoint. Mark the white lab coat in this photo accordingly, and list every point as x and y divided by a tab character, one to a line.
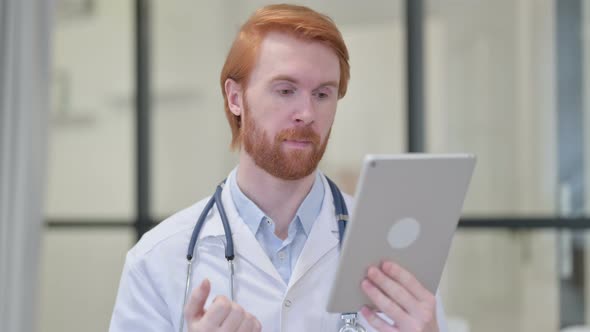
152	285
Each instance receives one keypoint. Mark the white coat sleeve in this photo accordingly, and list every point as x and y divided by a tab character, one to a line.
139	306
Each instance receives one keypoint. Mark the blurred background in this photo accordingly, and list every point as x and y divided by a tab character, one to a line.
135	107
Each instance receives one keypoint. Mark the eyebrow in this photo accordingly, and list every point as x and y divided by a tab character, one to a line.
295	81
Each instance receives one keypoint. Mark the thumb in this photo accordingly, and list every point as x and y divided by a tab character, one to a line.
195	307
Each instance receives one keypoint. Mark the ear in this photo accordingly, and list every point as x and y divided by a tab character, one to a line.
234	93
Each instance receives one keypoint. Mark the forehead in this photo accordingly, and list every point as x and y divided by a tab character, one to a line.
308	62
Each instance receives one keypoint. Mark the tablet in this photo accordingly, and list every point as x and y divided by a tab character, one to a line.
407	209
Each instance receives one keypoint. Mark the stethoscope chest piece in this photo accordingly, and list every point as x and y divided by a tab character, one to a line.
351	324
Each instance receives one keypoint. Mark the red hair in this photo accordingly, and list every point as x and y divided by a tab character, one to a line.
299	21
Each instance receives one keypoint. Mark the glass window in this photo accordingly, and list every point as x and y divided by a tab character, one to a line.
90	175
503	81
502	280
491	90
91	151
80	276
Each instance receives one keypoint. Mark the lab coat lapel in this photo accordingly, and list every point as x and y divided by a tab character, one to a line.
322	238
245	244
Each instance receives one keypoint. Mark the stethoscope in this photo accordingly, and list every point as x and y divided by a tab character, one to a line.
350	319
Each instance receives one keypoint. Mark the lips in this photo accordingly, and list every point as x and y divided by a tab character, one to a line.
299	135
298	143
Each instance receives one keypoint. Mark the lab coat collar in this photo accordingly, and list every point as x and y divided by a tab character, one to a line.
245	244
322	238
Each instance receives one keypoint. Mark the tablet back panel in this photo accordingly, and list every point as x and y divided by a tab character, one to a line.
400	198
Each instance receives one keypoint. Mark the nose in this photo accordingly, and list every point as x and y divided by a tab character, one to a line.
305	112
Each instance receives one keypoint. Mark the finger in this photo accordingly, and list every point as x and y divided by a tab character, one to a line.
194	309
257	325
234	319
394	290
218	311
406	279
384	303
377	322
248	324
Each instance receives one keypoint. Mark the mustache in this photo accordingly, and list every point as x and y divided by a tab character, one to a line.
299	134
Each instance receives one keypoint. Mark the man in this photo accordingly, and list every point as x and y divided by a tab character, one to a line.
281	82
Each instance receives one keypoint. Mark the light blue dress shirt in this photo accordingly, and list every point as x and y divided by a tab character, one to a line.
282	253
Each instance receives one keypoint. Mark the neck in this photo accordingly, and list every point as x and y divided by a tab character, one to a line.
279	199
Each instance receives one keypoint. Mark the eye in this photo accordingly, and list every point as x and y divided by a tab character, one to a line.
286	92
321	95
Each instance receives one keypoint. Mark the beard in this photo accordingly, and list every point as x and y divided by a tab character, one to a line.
269	154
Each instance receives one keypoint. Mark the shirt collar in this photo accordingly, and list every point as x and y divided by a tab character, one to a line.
252	215
312	204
